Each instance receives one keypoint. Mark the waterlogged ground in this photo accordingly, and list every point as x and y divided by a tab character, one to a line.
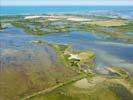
27	68
35	63
109	53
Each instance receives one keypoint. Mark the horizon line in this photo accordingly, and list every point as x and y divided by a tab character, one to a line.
63	5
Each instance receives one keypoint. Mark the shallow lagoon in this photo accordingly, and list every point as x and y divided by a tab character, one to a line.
108	52
16	46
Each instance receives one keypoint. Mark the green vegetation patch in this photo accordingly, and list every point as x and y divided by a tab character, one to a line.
94	88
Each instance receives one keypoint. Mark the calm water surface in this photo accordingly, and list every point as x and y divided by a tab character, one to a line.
15	44
125	11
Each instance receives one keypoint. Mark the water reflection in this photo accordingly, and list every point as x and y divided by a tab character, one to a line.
15	41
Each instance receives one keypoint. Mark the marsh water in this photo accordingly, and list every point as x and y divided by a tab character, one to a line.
16	49
108	52
16	46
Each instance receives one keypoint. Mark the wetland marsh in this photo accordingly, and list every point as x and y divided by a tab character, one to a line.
66	57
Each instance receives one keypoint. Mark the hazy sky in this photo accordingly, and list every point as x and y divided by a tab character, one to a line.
66	2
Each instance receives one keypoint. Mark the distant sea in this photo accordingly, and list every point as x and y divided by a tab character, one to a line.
18	10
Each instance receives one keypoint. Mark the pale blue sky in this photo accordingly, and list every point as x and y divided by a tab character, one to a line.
66	2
